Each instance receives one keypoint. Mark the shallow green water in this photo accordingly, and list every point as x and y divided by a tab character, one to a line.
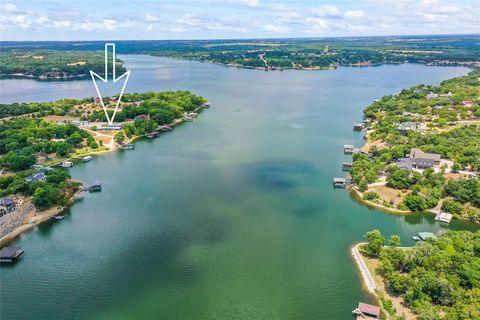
230	217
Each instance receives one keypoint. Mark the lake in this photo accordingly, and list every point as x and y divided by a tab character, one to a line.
232	216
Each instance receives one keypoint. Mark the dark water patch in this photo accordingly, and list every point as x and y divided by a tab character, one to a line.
278	174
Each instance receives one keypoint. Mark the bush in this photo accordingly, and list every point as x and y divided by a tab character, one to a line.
370	195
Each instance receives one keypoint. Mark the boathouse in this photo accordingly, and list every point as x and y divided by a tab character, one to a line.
339	182
444	217
367	311
348	148
10	254
347	166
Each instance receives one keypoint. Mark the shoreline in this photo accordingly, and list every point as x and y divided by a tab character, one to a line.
375	287
23	228
37	219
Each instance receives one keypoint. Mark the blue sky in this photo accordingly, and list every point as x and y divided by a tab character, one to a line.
217	19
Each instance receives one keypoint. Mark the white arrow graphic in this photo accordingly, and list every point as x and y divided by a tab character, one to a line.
95	76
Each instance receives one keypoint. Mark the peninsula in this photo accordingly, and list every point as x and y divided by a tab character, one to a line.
36	139
436	279
422	150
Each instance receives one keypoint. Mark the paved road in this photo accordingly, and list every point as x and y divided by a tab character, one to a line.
367	277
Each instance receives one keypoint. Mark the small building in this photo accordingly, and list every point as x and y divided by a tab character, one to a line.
348	148
339	182
38	176
431	96
411	114
404	127
444	217
66	164
467	103
142	116
367	311
424	236
347	166
6	205
10	254
206	105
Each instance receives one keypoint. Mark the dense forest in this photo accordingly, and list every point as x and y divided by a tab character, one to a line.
451	129
52	64
438	278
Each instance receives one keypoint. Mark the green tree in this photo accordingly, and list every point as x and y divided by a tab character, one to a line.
394	240
375	243
46	196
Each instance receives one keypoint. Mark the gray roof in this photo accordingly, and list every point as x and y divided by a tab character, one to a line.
9	252
419	154
404	163
6	201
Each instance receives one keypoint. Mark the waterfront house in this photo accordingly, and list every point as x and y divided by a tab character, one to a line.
367	311
348	148
339	182
10	254
417	154
404	127
206	105
404	163
6	205
38	176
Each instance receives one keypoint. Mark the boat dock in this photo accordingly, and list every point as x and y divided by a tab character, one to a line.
347	166
95	187
10	254
348	149
444	217
339	182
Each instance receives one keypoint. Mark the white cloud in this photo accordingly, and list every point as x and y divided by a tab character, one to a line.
7	7
327	10
354	14
276	28
105	24
248	3
151	18
316	24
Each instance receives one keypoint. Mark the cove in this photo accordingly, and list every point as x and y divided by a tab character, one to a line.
232	216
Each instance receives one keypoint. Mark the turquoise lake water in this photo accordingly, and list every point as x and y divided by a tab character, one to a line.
232	216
